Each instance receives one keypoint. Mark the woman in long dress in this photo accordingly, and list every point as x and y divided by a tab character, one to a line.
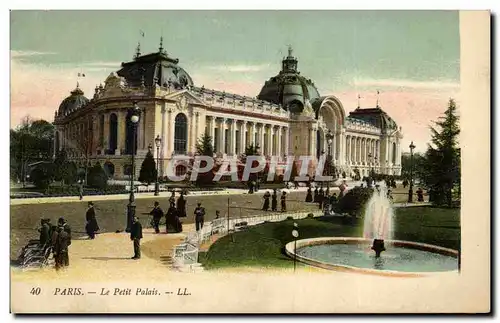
267	195
309	197
181	206
274	201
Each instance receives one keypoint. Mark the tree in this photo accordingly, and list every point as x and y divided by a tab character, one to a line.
442	159
148	172
64	171
204	147
84	144
97	177
30	142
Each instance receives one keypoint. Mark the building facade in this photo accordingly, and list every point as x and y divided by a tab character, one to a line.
287	118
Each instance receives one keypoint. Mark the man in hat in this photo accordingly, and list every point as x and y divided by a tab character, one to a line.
91	226
44	233
136	236
61	251
199	216
157	214
65	227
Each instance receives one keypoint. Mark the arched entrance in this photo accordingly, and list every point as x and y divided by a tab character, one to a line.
180	134
113	133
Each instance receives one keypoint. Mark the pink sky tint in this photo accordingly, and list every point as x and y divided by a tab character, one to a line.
37	90
412	109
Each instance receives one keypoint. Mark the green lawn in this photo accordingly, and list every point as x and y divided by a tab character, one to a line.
263	245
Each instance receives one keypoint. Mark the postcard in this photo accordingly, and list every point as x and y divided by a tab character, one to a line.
180	162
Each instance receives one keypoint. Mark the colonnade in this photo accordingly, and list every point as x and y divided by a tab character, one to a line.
362	150
231	136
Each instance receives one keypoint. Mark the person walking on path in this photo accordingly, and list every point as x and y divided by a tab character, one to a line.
44	233
316	195
170	219
157	214
80	189
266	198
199	216
91	226
309	197
283	201
181	206
136	236
65	227
171	200
274	201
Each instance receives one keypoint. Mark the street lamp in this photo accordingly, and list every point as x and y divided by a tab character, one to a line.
135	115
295	234
157	184
329	140
410	191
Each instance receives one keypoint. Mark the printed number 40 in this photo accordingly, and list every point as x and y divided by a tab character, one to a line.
35	291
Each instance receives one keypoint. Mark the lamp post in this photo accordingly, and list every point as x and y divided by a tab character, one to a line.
329	140
157	184
410	191
135	115
295	234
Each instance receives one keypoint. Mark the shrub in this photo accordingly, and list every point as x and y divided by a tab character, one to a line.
354	201
42	175
97	177
148	170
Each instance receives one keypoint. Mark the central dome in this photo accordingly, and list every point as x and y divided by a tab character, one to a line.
290	89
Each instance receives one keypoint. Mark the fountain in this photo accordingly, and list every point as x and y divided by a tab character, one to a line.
368	254
378	219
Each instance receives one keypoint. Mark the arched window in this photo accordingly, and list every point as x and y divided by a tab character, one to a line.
113	133
393	153
181	134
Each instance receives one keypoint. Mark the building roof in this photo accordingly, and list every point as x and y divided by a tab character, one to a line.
374	116
155	68
73	102
289	88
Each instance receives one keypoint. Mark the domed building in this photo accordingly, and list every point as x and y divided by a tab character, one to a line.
288	118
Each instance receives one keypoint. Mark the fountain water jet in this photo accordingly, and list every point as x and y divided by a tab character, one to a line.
378	219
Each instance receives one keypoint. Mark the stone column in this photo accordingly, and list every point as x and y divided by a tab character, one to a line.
171	129
311	142
278	144
261	137
287	140
233	137
223	135
196	130
243	143
270	140
211	128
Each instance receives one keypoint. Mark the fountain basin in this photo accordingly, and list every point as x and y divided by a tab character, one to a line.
401	259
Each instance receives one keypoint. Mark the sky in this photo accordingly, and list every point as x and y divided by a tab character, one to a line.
411	57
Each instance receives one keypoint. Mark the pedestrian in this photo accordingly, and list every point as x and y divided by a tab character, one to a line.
283	201
217	214
420	195
157	214
321	198
170	219
136	236
44	233
316	195
309	197
274	201
266	198
91	226
63	243
199	216
80	189
65	227
171	200
181	206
